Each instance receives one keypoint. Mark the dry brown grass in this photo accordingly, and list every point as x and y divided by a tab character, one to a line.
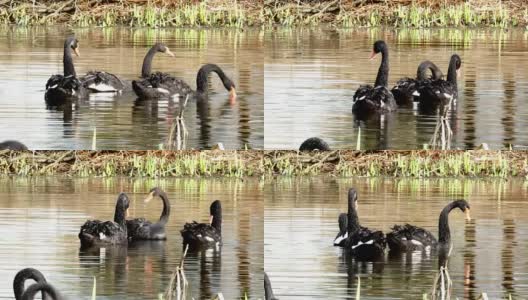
266	163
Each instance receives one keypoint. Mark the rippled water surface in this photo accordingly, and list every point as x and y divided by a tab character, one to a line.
489	253
40	220
311	76
30	56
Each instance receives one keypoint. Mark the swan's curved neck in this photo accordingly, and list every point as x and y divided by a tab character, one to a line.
147	62
202	78
217	221
444	234
165	213
67	62
452	72
353	221
421	73
343	223
20	280
120	215
47	289
383	72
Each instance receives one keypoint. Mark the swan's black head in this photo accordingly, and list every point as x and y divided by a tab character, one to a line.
463	206
216	208
379	46
160	47
154	192
73	44
457	61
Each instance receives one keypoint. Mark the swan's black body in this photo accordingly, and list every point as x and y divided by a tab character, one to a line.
60	88
362	243
438	93
268	291
405	88
12	145
102	82
142	229
99	233
201	235
411	238
43	287
369	99
22	276
313	144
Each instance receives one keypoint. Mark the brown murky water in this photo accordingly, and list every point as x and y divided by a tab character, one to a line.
40	219
29	56
311	76
489	253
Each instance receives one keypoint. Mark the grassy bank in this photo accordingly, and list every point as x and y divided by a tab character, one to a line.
144	13
416	164
403	13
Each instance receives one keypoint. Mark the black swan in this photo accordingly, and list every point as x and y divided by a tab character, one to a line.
163	85
410	238
20	280
142	229
62	87
440	92
362	242
404	89
97	233
268	291
12	145
43	287
202	235
341	237
313	144
375	99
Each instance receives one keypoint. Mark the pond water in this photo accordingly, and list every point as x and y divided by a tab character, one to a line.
29	56
311	76
489	252
40	219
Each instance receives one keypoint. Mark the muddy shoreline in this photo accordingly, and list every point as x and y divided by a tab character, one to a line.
243	13
414	164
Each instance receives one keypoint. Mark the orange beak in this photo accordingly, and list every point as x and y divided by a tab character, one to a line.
127	213
149	197
210	220
169	52
372	55
232	96
76	51
468	216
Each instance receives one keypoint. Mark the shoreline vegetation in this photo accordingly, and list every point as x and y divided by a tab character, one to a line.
413	164
243	13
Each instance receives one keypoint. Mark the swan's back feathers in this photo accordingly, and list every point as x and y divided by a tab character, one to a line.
436	93
142	229
200	234
95	232
367	244
408	238
161	85
369	99
98	81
